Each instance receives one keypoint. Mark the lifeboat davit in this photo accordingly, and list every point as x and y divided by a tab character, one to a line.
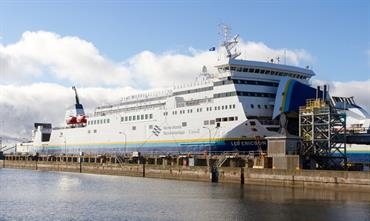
81	119
71	120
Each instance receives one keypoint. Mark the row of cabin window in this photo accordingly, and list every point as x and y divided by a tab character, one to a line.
193	91
100	121
189	111
137	117
94	131
265	71
244	94
224	107
249	82
221	119
141	100
259	106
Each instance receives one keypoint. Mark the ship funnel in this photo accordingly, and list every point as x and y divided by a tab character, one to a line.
317	92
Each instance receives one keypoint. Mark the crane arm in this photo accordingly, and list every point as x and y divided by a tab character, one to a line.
76	95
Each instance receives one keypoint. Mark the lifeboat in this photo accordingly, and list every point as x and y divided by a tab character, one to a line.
81	119
71	120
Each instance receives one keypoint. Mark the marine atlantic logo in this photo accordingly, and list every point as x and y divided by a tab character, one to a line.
156	130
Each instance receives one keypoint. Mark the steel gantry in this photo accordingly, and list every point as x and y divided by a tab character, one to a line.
323	129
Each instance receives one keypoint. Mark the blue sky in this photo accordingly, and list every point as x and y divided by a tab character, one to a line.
335	33
111	48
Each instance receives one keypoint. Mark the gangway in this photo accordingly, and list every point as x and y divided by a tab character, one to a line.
224	157
6	148
360	138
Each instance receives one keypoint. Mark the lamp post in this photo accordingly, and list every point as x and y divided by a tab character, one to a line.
209	144
125	141
80	159
65	144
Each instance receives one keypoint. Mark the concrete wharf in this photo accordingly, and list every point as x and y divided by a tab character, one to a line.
234	169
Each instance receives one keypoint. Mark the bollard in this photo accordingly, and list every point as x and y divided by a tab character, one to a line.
143	170
37	158
214	174
241	175
81	157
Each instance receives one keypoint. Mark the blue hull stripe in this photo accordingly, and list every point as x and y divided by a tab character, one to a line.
194	147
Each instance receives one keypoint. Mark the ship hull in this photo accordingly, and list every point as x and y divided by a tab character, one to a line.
197	146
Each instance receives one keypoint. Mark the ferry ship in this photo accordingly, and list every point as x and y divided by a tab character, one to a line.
231	110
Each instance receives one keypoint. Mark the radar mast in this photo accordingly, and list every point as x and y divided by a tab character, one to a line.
229	43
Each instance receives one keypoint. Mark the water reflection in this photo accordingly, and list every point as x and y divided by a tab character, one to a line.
34	195
66	182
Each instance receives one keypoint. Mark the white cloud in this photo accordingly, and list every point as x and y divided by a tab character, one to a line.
261	52
165	69
69	58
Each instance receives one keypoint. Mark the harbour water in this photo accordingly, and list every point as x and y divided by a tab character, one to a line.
37	195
